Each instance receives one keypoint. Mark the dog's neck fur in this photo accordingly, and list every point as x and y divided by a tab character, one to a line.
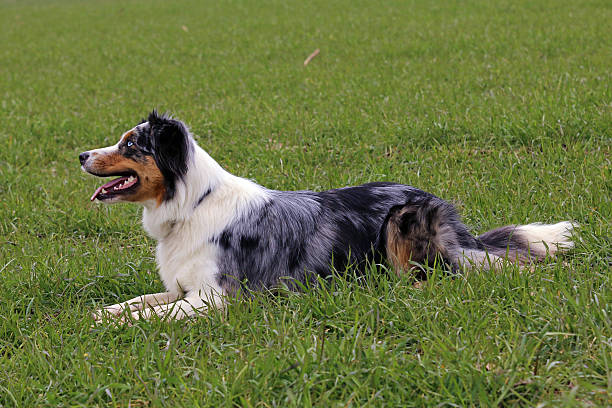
203	199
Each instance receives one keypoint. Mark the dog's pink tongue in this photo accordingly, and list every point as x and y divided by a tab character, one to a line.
107	186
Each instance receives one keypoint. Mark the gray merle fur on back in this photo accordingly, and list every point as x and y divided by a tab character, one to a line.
301	234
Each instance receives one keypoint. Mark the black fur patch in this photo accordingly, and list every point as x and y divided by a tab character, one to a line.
349	204
142	138
225	239
171	146
248	243
202	197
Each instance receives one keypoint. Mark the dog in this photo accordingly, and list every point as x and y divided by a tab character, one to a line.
219	235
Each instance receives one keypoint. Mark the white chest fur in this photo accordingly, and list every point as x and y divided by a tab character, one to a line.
185	267
187	228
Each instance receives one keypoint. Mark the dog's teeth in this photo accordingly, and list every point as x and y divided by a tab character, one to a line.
104	191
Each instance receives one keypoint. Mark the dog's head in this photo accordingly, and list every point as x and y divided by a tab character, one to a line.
149	159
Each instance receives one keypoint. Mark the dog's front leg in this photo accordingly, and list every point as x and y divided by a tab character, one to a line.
137	303
188	306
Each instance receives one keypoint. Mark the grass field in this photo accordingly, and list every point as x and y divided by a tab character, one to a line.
504	108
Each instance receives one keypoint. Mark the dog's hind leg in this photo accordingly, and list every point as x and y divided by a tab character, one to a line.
135	304
421	232
428	230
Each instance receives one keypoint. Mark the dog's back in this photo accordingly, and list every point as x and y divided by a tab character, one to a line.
301	234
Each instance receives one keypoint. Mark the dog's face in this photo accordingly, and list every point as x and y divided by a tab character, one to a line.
149	159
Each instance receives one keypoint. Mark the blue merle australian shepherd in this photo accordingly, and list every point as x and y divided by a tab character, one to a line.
218	234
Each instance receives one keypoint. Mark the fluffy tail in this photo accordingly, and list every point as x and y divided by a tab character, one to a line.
531	242
430	229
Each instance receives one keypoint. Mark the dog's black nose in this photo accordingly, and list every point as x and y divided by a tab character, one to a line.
83	157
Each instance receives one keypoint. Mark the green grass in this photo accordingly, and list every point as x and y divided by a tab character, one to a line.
504	108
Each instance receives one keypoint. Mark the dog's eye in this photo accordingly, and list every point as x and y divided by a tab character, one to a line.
130	144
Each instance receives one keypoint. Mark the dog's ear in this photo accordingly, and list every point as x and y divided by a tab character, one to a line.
171	148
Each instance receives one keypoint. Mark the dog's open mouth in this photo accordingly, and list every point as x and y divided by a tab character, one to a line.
122	185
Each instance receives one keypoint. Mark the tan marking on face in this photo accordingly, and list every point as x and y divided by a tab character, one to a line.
151	181
127	135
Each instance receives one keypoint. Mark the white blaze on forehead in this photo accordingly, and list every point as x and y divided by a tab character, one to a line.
132	131
137	128
106	150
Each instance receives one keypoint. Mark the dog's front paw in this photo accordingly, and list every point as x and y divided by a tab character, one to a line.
141	315
114	313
